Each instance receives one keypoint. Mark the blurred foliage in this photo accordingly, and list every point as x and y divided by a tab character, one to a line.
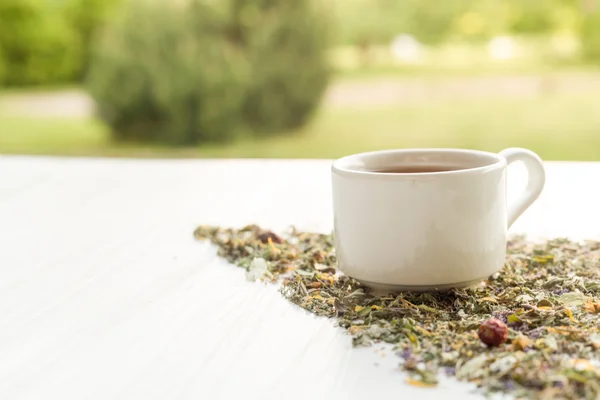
590	37
47	42
285	43
3	66
531	16
37	44
86	17
167	73
192	71
368	22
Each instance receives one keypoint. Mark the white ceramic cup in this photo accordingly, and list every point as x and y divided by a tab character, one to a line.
424	231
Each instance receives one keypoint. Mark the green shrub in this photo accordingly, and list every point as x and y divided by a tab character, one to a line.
37	44
192	71
286	44
86	17
2	67
590	36
532	16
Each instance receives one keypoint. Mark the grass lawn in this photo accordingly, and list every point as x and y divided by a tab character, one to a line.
558	126
71	137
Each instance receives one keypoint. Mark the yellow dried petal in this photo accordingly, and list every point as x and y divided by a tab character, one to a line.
543	259
408	303
591	307
423	331
521	343
353	330
488	299
358	308
562	330
417	383
570	315
376	308
272	246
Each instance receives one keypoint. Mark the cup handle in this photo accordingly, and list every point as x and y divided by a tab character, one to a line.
535	181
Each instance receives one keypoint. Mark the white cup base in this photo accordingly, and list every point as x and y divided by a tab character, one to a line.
382	288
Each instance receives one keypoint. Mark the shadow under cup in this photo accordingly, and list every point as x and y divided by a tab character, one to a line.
419	220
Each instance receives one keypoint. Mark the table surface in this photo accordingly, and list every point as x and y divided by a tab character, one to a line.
104	293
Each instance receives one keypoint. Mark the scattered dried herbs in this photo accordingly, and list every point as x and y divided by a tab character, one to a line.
547	296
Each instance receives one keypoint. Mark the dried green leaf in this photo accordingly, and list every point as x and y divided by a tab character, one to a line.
364	312
427	308
503	365
524	298
552	283
321	267
545	303
473	368
572	299
551	342
595	340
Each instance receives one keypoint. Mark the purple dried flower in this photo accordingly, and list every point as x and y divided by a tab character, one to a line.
535	333
450	371
502	315
406	354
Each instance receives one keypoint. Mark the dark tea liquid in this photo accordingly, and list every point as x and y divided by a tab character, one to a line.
415	169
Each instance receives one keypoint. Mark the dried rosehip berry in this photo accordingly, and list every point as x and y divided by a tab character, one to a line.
319	256
264	237
493	332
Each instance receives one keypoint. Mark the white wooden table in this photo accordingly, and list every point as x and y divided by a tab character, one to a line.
104	293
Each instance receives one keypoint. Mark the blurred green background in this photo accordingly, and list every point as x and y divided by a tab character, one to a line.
298	78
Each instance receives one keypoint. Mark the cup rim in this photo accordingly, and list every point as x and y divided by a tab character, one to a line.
341	164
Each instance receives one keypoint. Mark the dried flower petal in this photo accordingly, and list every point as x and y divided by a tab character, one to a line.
414	382
592	307
521	343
